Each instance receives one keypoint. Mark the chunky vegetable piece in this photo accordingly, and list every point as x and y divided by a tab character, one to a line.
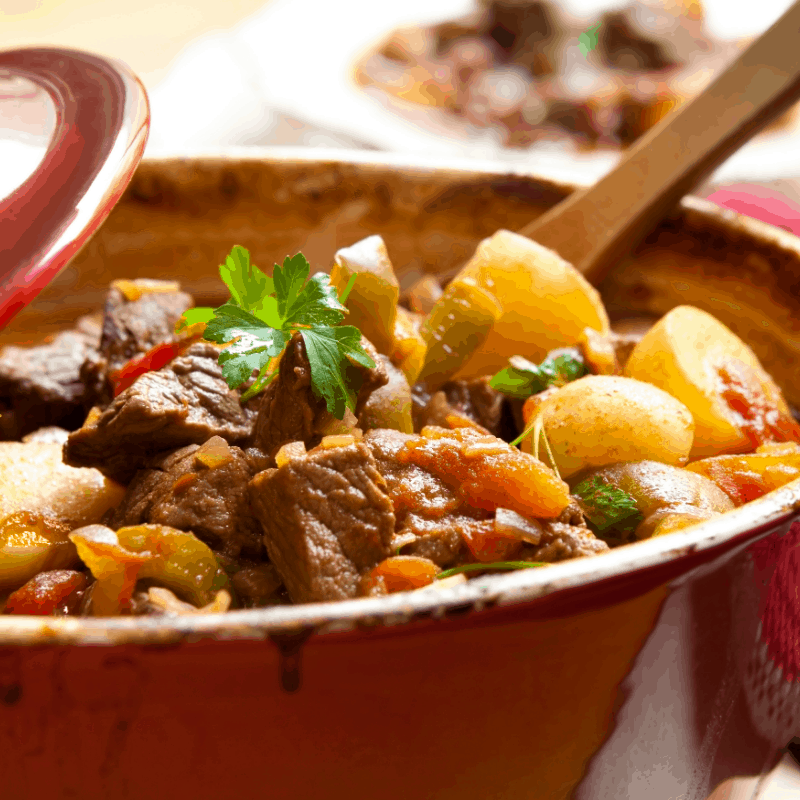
55	592
748	477
456	327
399	574
176	559
33	478
29	543
487	472
735	404
546	302
409	347
372	301
389	406
603	419
667	498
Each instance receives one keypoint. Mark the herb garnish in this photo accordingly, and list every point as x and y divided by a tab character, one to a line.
523	378
607	506
494	565
261	315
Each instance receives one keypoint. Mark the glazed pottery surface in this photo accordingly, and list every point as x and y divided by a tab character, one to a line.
653	672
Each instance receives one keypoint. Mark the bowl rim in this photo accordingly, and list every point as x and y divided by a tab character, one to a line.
735	529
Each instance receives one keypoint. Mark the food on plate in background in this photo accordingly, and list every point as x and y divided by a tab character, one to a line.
269	451
530	72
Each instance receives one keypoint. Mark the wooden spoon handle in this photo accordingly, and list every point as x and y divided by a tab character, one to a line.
594	227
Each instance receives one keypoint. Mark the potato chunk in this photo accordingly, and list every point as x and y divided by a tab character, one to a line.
668	499
603	419
735	404
33	478
546	302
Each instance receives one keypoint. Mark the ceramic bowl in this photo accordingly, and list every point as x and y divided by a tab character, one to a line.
653	672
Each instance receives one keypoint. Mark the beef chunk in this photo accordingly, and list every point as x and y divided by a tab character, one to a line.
186	402
561	541
202	489
473	399
139	314
257	586
41	386
327	521
291	412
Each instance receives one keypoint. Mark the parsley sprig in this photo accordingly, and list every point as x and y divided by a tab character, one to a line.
606	506
263	313
522	378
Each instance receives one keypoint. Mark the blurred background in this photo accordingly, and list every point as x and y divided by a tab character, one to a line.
562	86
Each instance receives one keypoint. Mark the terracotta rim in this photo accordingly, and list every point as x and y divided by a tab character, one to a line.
734	529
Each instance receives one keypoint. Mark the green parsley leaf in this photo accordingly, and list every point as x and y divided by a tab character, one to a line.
523	378
494	565
248	285
289	281
328	350
607	506
316	304
194	315
253	344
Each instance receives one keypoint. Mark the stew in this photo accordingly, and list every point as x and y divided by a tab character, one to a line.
324	437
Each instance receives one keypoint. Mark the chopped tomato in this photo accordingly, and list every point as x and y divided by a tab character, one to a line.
56	591
154	359
487	545
759	416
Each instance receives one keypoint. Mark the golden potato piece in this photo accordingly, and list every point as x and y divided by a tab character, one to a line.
604	419
546	302
667	498
34	478
735	404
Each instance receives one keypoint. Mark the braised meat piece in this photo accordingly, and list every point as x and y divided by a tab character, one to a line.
291	412
139	315
186	402
327	520
202	489
473	399
41	386
561	541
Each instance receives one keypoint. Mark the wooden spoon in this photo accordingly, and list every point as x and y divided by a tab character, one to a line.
594	227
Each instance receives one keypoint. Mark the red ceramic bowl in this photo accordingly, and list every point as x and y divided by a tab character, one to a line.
657	670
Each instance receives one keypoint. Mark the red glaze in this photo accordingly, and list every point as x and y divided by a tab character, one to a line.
102	121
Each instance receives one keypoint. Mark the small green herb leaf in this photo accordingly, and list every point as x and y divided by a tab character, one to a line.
607	506
494	565
248	285
316	304
253	344
194	315
289	281
328	350
523	378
